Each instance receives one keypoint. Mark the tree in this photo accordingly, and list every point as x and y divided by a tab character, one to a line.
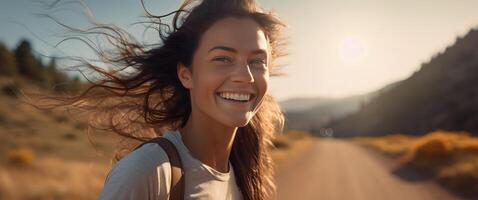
27	64
59	81
7	61
55	78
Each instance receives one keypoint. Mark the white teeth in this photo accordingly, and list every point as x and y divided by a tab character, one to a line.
235	96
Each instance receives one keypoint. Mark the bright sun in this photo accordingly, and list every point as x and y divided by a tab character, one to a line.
352	50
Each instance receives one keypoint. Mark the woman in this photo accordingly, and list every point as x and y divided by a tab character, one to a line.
205	89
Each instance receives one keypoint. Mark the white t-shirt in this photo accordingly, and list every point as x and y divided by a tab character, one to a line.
145	174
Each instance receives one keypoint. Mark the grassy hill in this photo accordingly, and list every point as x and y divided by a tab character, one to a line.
47	154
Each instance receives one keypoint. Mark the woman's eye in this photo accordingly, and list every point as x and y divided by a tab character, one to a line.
223	59
258	62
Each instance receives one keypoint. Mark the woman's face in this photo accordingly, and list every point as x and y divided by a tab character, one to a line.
230	72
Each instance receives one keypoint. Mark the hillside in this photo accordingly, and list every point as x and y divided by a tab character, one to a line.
311	114
442	94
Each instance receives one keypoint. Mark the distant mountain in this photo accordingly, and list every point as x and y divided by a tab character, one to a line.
297	104
442	94
311	114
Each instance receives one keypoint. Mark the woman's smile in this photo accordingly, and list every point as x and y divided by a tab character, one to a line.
240	101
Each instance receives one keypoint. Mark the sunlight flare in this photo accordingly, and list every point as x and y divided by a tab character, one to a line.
352	50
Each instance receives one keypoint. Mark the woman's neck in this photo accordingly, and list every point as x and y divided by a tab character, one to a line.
209	142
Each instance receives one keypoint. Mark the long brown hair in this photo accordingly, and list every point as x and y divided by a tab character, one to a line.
149	99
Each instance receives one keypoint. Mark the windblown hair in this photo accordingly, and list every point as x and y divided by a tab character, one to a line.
149	99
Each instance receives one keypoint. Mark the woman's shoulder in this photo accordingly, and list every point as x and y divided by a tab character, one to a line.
142	172
146	157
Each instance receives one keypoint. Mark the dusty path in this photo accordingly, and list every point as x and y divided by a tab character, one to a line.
340	170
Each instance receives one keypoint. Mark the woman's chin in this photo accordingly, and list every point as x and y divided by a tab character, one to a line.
237	122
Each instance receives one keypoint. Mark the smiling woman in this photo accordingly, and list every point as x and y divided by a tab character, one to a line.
205	90
231	72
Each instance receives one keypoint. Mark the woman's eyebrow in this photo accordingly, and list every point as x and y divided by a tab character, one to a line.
257	51
223	48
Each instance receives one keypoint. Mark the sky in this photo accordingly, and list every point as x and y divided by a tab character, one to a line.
337	48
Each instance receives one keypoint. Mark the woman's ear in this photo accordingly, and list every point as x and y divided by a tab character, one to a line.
185	76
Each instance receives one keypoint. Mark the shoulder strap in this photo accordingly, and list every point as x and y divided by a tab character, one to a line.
177	173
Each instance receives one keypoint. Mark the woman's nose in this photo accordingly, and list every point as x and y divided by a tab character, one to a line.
243	73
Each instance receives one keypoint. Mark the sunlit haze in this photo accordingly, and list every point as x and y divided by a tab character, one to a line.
336	48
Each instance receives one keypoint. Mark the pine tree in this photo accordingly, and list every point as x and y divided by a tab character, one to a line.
7	61
56	79
27	64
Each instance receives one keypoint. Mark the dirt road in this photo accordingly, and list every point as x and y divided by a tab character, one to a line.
340	170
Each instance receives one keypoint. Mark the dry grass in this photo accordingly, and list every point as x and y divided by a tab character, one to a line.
289	145
51	178
451	157
21	157
57	178
392	145
48	155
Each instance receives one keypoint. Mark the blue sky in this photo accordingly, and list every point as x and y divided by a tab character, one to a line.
337	48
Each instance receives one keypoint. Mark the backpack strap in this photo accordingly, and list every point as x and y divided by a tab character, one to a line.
177	173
